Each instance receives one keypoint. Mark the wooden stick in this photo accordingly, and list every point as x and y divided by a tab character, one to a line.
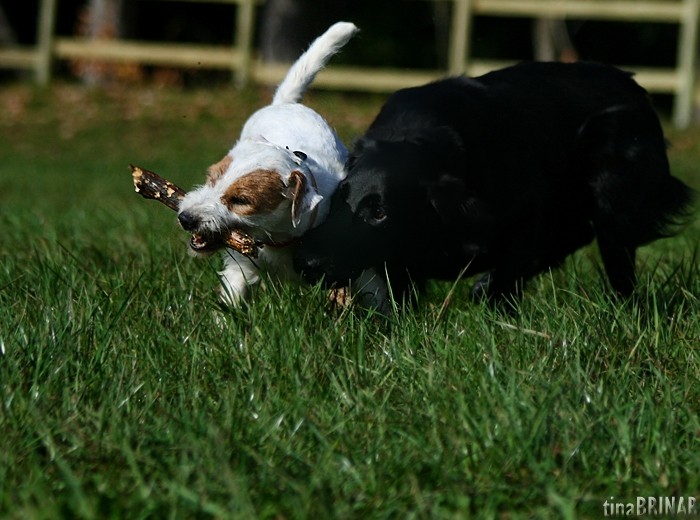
150	185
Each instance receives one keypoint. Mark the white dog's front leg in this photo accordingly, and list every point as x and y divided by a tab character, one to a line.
238	276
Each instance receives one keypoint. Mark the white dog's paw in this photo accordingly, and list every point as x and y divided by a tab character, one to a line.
237	278
232	296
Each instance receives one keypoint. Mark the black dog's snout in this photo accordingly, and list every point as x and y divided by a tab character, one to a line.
188	221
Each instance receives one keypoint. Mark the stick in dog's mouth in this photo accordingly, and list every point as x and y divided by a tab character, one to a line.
234	239
150	185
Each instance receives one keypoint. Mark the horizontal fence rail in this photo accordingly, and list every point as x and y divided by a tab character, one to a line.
239	57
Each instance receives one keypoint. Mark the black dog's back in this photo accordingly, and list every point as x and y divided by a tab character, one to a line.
518	169
579	143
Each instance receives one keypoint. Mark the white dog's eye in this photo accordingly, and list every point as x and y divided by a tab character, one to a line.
237	201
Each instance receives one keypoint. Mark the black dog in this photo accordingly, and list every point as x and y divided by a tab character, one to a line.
506	174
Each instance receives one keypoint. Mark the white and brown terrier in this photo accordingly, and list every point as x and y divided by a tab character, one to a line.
275	183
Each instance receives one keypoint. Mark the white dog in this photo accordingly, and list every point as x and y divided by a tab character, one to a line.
275	183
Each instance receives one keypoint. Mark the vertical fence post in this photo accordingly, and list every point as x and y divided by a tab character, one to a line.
45	30
245	18
687	55
460	36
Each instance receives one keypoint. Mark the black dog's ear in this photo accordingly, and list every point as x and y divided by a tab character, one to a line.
462	214
363	144
360	147
453	202
445	194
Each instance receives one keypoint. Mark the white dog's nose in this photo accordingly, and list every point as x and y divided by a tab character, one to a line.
188	221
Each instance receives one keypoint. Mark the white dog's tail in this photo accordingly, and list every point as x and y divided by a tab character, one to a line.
304	70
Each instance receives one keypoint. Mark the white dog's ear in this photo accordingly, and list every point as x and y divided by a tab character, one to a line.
304	195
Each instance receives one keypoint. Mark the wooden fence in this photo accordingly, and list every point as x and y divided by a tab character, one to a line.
239	57
678	80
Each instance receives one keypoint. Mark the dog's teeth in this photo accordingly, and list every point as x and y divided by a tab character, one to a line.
197	242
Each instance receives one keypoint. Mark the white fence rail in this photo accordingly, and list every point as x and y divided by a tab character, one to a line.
679	80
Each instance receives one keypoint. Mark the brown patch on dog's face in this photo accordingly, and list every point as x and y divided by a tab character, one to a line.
217	170
260	191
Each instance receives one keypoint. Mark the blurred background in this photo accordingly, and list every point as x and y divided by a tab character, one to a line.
398	33
402	43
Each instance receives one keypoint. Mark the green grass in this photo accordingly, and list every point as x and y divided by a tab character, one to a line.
127	392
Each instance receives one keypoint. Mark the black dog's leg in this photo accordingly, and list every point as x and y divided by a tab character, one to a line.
404	290
517	264
566	237
619	265
635	200
526	259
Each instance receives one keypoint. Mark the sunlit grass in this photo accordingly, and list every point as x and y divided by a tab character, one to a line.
128	392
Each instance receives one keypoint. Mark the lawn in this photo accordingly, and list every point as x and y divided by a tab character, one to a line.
128	392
